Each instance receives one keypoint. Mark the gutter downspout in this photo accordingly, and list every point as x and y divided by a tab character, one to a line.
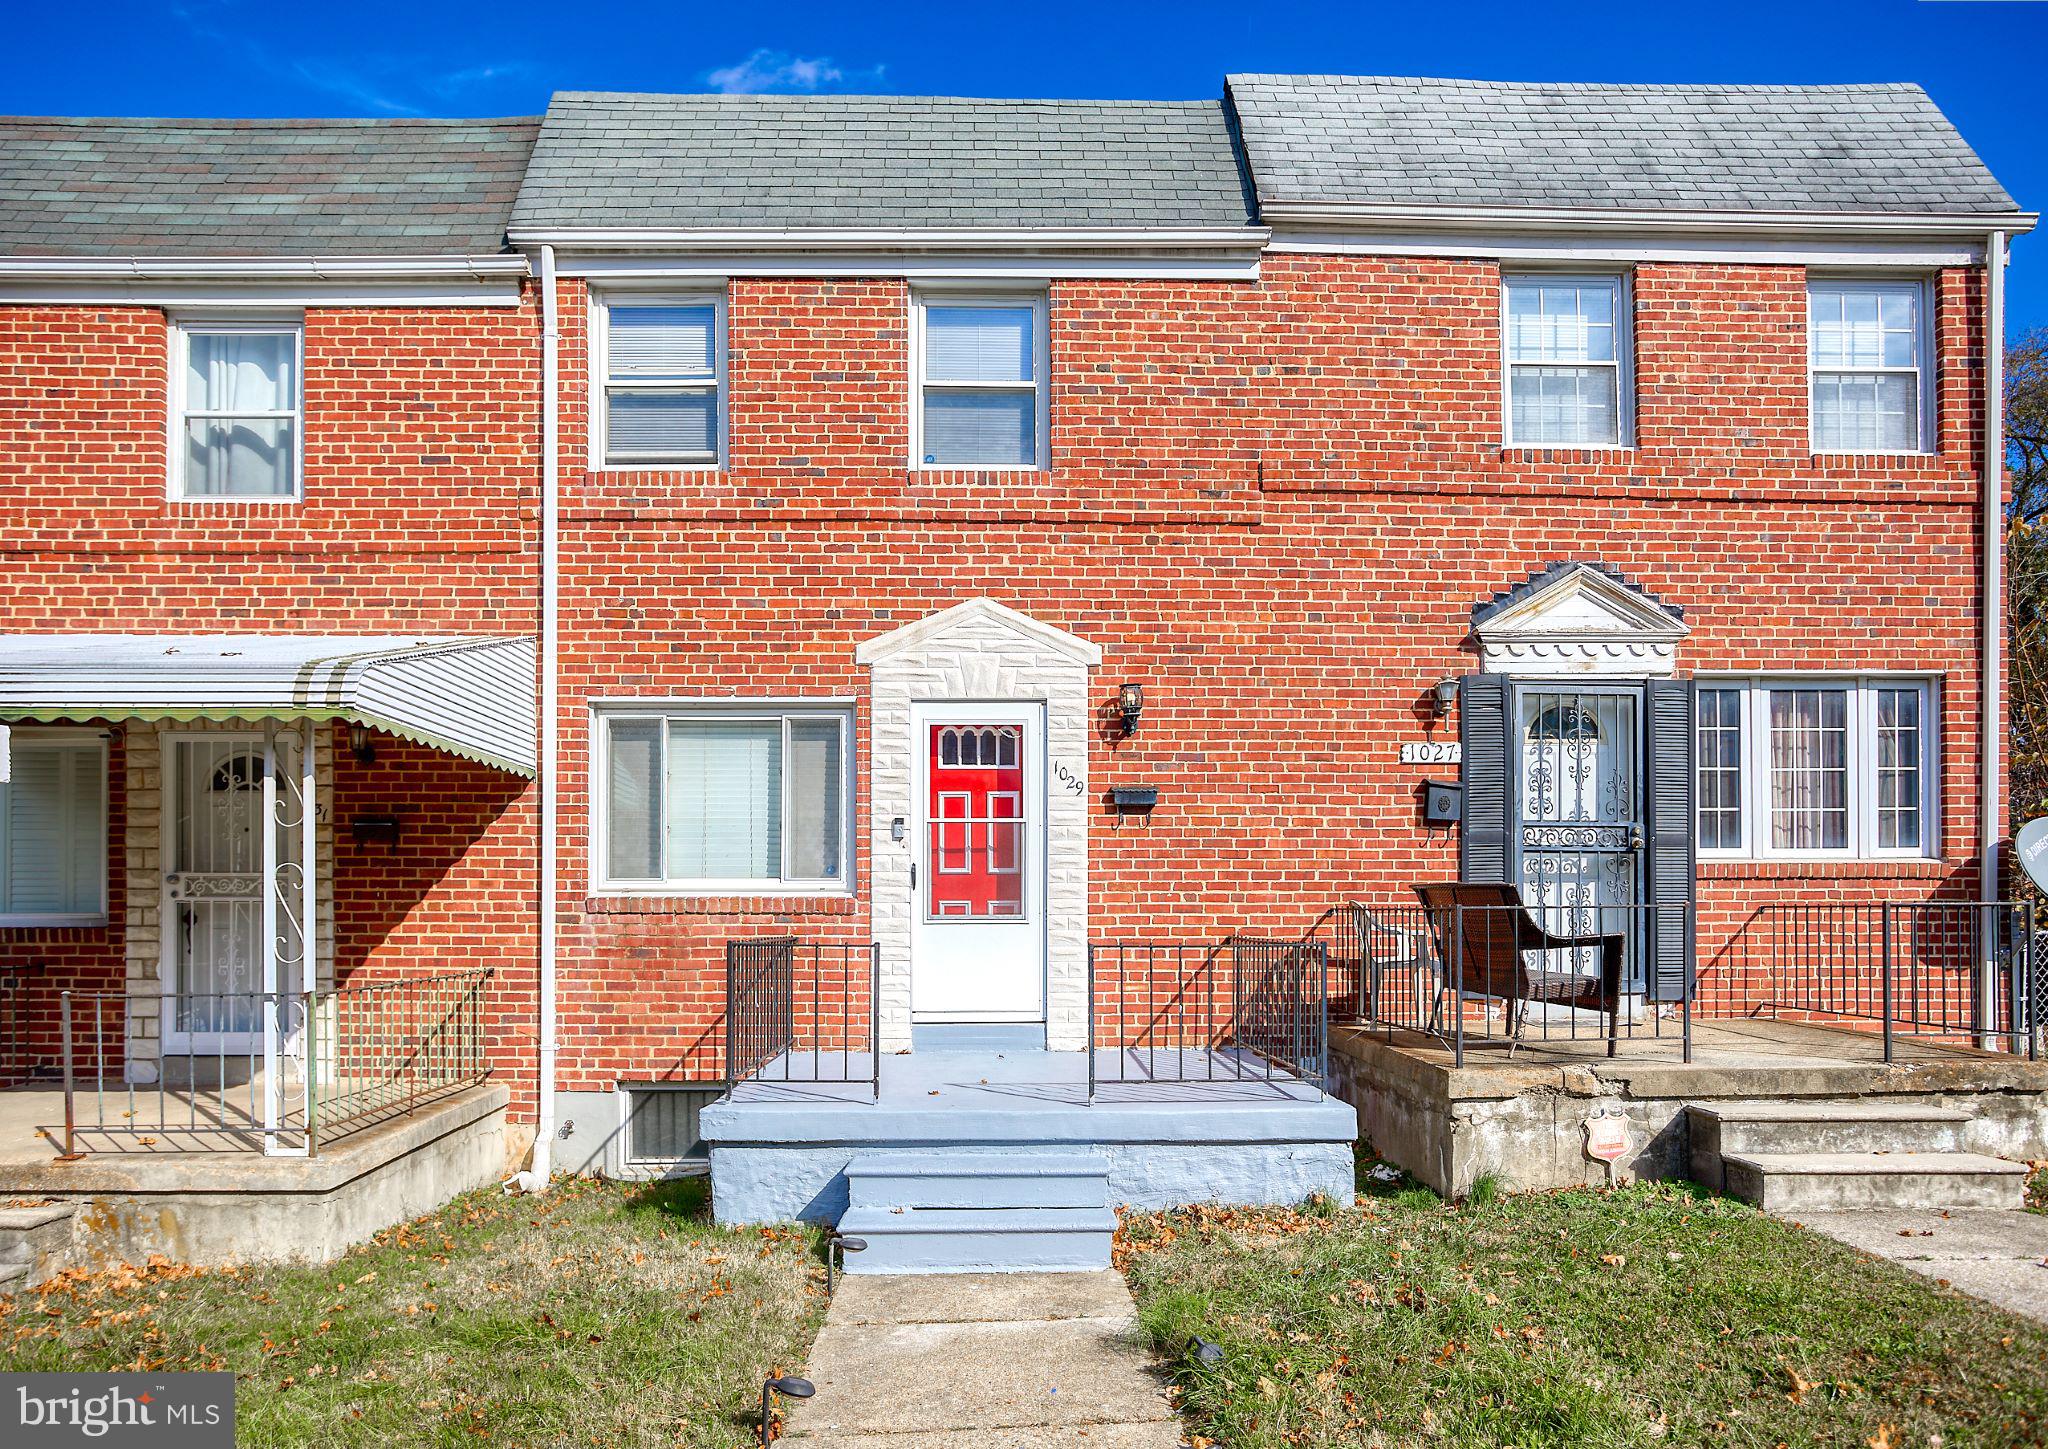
1991	747
550	699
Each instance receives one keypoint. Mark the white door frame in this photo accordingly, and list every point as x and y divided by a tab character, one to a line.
928	936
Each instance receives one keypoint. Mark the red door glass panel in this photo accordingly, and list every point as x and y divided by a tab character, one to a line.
975	816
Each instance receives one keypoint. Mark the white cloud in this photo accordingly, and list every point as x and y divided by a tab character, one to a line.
779	72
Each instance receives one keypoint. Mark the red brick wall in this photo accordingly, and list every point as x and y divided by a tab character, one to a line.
421	468
1274	504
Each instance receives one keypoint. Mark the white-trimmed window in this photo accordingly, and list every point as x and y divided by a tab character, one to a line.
1869	345
236	401
53	829
659	377
1796	767
734	800
980	369
1567	350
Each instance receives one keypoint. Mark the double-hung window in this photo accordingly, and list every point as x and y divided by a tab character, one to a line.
725	800
660	369
1804	767
236	410
1869	344
53	829
981	385
1566	341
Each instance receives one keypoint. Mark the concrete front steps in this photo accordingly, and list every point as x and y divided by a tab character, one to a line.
978	1212
35	1243
1814	1156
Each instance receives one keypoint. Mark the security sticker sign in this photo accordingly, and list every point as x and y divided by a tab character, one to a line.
117	1411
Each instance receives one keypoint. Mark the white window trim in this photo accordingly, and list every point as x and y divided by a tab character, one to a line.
1754	717
1624	363
28	738
605	713
601	304
1924	371
1036	296
181	329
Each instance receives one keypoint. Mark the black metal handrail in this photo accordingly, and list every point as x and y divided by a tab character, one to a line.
1961	970
803	1011
17	1053
1245	1009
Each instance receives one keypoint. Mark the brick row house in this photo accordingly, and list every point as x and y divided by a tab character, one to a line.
1015	596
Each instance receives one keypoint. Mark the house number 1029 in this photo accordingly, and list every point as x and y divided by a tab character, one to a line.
1068	778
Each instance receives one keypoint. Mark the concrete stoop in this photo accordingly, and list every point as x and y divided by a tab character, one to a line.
35	1243
964	1212
1818	1156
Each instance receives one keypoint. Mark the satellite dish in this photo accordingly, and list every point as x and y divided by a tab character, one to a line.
2031	845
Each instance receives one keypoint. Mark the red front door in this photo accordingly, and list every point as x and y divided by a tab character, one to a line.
976	820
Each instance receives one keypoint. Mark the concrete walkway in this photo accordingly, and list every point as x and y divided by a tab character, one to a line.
991	1360
2001	1257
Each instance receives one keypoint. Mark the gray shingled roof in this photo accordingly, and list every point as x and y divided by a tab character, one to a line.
858	162
84	187
1370	139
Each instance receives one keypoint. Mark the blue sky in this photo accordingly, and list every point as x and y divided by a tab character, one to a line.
1980	59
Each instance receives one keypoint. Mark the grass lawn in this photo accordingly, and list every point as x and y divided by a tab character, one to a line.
1657	1314
599	1314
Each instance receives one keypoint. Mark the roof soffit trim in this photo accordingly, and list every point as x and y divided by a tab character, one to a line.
1663	222
949	239
489	268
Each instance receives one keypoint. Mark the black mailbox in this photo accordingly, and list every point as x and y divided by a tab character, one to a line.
1442	804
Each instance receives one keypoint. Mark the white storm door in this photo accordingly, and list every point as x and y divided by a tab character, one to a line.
977	936
214	886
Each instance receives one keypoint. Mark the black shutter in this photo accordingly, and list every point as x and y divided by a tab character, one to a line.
1483	854
1669	742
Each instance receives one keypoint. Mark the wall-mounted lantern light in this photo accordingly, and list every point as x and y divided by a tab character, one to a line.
1443	696
361	745
1130	704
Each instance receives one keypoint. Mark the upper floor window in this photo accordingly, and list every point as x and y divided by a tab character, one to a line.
1868	345
235	410
53	829
660	366
1567	345
1816	767
980	382
728	800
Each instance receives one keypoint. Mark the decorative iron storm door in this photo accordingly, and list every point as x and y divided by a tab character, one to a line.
1578	822
237	968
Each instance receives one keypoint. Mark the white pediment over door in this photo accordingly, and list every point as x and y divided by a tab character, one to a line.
1578	619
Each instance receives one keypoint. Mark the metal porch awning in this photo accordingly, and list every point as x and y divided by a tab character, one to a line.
470	695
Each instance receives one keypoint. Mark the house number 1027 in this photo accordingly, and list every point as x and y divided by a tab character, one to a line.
1431	752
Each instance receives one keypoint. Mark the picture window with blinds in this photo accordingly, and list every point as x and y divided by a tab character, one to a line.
236	410
737	801
53	830
661	381
981	382
1805	767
